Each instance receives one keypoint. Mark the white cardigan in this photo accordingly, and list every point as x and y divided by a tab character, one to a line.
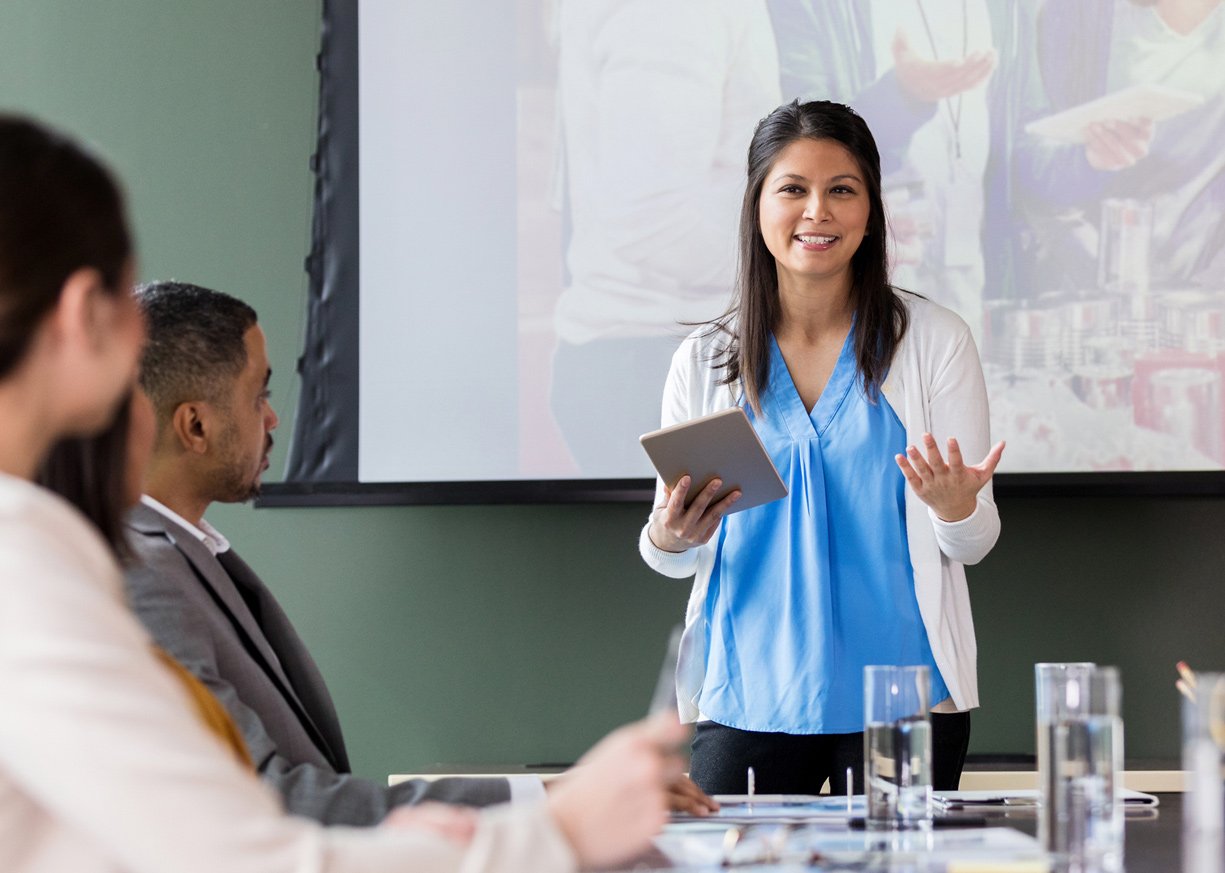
105	768
935	385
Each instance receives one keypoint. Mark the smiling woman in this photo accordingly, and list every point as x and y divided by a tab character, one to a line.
843	376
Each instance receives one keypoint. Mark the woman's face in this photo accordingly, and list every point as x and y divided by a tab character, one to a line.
142	431
814	211
99	366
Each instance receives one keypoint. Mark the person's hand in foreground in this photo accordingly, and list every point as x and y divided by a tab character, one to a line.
455	823
950	488
676	527
616	798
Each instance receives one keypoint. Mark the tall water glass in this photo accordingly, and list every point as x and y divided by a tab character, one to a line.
1080	764
897	747
1046	677
1203	759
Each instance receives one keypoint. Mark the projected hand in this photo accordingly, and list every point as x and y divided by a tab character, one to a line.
675	528
1117	145
614	800
949	488
930	81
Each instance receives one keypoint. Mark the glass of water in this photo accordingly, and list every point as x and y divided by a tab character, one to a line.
1047	703
1080	766
897	747
1203	759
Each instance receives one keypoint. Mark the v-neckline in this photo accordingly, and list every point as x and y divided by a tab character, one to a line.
832	396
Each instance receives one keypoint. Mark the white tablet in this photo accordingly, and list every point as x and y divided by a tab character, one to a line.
1156	102
723	445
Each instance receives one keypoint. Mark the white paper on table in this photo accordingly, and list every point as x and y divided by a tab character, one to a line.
700	844
782	808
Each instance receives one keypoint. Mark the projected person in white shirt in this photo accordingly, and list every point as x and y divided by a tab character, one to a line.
657	98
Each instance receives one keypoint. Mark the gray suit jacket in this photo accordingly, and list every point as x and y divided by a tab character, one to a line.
222	623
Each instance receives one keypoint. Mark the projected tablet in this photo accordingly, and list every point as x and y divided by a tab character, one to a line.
722	445
1156	102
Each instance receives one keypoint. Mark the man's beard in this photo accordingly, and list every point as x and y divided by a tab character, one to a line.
252	491
236	485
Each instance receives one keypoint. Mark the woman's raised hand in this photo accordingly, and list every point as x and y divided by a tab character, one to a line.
950	488
676	528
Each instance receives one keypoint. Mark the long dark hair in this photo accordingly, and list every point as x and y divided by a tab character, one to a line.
60	210
91	474
880	317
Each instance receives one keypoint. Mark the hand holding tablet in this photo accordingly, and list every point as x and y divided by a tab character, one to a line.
710	466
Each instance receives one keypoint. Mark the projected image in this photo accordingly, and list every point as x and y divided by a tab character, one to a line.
656	111
1052	170
1108	354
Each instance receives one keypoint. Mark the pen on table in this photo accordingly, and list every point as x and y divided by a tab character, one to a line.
1185	690
850	787
1185	684
752	784
940	822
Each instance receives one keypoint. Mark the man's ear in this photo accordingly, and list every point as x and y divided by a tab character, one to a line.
192	426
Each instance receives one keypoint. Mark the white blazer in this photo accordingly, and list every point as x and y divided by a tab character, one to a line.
104	767
935	385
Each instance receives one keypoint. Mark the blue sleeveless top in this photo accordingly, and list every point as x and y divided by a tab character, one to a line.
807	590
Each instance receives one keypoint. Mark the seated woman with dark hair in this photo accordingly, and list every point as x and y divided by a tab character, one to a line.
104	766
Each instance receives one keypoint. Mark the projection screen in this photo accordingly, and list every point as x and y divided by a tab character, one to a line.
524	206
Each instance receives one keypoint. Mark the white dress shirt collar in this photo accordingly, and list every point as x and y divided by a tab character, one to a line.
212	538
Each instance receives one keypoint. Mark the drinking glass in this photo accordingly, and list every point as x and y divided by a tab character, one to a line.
1046	676
897	747
1080	766
1203	759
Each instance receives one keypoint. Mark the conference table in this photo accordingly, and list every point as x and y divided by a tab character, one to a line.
1153	836
1153	845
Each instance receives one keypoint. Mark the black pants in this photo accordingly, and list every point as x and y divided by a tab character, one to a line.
800	764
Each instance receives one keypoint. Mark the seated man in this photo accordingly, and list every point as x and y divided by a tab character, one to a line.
206	370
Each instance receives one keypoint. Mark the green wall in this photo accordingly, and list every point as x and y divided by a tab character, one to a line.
517	633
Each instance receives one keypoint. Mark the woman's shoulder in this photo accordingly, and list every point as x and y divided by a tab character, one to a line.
703	344
22	503
699	370
37	525
928	320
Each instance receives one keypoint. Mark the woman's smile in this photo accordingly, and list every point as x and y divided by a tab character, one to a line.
816	242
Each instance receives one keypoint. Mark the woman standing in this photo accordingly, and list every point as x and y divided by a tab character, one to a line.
104	765
846	379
